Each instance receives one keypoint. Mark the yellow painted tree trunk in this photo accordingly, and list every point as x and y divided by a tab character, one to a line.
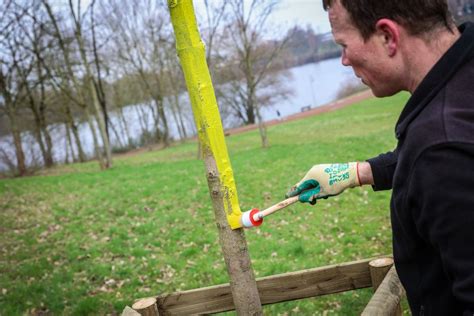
191	52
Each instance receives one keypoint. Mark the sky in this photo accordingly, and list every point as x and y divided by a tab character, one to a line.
289	13
302	12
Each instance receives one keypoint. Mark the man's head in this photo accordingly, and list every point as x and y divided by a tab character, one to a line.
383	40
417	16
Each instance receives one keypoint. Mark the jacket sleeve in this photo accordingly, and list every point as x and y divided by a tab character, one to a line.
383	167
442	187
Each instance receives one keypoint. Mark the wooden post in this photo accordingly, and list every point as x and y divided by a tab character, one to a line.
191	52
378	270
386	300
146	306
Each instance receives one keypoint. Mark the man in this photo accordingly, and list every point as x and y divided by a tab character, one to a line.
415	46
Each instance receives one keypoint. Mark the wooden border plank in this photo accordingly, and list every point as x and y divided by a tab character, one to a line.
272	289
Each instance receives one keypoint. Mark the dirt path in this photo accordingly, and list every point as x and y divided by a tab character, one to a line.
315	111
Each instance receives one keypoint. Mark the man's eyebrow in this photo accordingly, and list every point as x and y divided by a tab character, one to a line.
338	40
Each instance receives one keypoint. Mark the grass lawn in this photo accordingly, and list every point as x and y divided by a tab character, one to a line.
80	241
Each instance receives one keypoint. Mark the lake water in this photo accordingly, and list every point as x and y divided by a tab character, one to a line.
312	85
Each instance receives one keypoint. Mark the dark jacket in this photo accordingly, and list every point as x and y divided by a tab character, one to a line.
431	173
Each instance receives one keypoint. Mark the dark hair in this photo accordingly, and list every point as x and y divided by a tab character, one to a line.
417	16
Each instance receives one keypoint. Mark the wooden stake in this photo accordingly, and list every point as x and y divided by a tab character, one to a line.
378	270
386	300
146	306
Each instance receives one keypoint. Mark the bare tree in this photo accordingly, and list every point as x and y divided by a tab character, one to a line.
216	12
35	43
76	16
69	82
12	85
99	86
254	61
138	31
175	87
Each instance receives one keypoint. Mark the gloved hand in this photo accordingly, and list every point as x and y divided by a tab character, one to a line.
325	180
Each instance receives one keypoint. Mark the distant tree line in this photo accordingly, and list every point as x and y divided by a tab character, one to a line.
463	10
63	65
305	46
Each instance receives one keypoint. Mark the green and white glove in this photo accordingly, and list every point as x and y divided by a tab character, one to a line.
325	180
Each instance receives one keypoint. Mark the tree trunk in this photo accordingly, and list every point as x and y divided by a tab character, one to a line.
250	111
97	149
180	116
262	128
117	135
20	154
161	112
107	163
125	127
41	130
49	144
221	183
39	118
177	121
68	141
39	140
66	151
234	248
143	120
75	132
156	119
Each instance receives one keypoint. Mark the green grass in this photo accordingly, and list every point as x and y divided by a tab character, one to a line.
80	241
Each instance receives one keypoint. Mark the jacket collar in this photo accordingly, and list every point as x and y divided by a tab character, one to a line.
461	52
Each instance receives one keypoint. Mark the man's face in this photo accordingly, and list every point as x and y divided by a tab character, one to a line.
368	59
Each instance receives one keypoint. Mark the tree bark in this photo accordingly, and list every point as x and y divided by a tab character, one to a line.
41	131
75	133
41	112
166	132
69	142
20	154
117	134
234	247
95	102
98	151
125	127
262	128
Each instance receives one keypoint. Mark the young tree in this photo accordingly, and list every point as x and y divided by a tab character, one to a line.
89	80
12	85
251	74
138	30
68	81
35	43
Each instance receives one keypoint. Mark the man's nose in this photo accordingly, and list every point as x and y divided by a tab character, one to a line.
345	61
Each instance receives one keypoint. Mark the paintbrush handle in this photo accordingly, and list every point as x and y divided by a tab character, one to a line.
274	208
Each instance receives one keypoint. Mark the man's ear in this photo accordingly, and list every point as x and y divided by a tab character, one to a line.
389	30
